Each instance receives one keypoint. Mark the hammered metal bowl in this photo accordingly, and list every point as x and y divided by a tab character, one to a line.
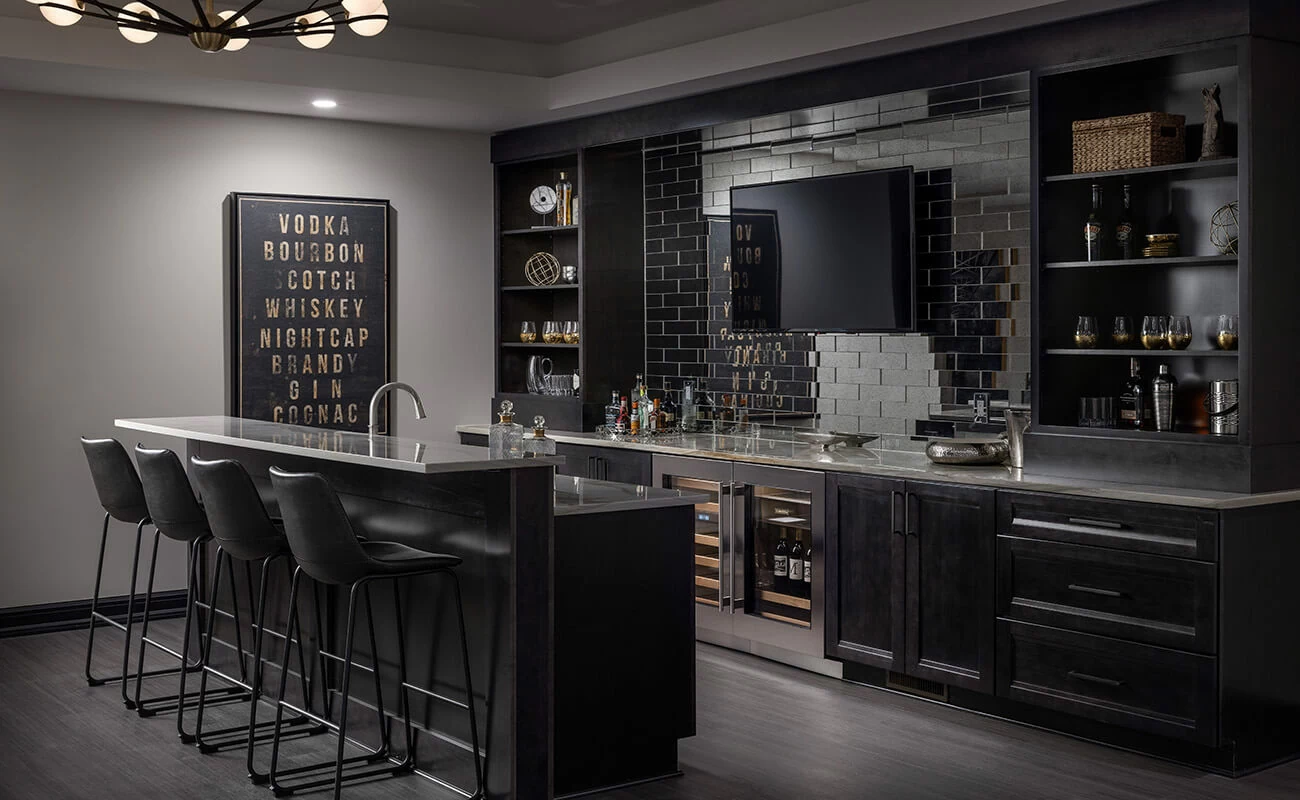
968	452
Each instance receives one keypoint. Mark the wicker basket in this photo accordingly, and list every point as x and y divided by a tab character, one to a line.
1135	140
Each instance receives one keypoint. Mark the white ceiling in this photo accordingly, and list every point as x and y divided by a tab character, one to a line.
489	65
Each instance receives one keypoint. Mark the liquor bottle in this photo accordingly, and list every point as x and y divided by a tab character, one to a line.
781	565
1093	231
743	416
669	421
1133	401
1162	398
563	201
611	411
505	438
538	445
795	585
636	418
689	419
654	417
705	411
624	417
1125	231
636	387
643	398
807	572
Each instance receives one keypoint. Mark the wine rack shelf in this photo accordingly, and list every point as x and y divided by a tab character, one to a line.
706	540
707	583
706	561
787	620
785	599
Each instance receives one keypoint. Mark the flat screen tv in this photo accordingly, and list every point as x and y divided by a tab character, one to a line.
832	254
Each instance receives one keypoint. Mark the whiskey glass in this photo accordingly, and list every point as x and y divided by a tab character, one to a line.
1121	332
1225	335
1155	333
571	333
528	332
552	333
1180	332
1085	333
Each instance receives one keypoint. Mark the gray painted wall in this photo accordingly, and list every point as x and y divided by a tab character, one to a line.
111	265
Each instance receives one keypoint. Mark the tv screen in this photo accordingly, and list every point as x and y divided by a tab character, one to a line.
825	254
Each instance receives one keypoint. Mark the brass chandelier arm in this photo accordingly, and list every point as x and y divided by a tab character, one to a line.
272	21
230	21
110	13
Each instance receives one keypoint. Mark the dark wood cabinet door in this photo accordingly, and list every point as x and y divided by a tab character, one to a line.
605	464
865	571
950	537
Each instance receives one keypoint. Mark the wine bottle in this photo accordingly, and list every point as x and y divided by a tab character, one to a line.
1093	230
795	584
781	565
1125	231
807	572
1133	401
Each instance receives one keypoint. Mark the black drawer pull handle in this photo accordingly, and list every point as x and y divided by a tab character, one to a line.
1086	678
1096	523
1074	587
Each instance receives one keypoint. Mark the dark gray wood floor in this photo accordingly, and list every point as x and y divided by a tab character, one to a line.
766	732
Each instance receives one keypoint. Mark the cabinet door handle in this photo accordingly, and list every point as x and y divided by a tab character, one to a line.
913	513
1075	587
1086	678
894	497
1096	523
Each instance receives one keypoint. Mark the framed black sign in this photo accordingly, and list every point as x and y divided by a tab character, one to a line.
309	309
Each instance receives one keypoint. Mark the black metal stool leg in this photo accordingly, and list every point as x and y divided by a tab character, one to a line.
404	697
206	653
469	688
343	695
94	604
130	611
284	676
385	734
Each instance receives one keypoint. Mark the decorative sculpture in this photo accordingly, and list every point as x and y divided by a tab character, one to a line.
1212	135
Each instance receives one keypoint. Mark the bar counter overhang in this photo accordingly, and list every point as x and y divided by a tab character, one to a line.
501	518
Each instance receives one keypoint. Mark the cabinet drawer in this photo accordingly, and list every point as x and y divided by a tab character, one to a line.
1149	689
1153	599
1140	527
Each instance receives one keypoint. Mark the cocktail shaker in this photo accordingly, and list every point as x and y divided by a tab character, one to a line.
1221	402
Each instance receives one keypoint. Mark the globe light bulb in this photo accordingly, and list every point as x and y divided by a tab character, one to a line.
62	12
360	8
136	12
316	37
370	27
235	43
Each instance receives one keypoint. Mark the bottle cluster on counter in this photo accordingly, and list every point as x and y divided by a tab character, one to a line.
641	414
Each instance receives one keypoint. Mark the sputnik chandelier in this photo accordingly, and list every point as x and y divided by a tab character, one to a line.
212	31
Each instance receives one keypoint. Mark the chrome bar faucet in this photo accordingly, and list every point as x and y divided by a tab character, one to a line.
381	391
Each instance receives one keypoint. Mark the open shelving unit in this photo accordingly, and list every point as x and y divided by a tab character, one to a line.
607	299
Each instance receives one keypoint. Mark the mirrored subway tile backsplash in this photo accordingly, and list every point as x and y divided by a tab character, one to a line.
969	145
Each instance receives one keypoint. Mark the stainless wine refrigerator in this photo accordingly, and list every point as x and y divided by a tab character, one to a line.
759	557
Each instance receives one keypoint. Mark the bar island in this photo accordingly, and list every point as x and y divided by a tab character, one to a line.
577	601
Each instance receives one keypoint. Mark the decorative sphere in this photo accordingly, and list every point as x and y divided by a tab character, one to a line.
236	42
369	27
318	36
1225	228
133	13
542	269
62	12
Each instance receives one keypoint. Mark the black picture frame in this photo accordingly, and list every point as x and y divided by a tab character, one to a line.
248	371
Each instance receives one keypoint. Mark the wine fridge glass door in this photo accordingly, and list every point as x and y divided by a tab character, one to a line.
778	536
710	540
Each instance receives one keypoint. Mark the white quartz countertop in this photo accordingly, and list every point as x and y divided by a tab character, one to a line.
915	466
589	496
387	452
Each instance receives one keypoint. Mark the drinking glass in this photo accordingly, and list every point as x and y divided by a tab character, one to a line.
1180	332
552	333
1085	332
1225	336
570	333
528	332
1155	333
1121	332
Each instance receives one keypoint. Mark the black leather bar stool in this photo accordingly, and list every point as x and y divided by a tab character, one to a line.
327	550
244	530
122	496
176	514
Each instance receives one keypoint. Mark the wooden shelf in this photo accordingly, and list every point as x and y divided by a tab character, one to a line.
707	583
706	540
1195	169
779	618
708	601
1140	353
542	346
706	561
1121	434
540	229
1177	261
551	288
785	599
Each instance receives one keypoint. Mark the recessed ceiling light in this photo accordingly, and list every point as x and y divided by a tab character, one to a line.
323	103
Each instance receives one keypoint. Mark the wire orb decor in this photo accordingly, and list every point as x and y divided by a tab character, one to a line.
542	269
1225	228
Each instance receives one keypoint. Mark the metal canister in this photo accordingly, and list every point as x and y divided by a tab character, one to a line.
1221	402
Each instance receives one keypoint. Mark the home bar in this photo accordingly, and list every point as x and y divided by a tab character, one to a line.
837	399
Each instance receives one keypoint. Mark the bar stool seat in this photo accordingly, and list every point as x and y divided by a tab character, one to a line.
393	558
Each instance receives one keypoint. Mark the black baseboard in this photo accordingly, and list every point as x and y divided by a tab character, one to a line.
75	614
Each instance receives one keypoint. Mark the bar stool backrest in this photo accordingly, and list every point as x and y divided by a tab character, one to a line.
172	506
115	478
320	534
235	510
